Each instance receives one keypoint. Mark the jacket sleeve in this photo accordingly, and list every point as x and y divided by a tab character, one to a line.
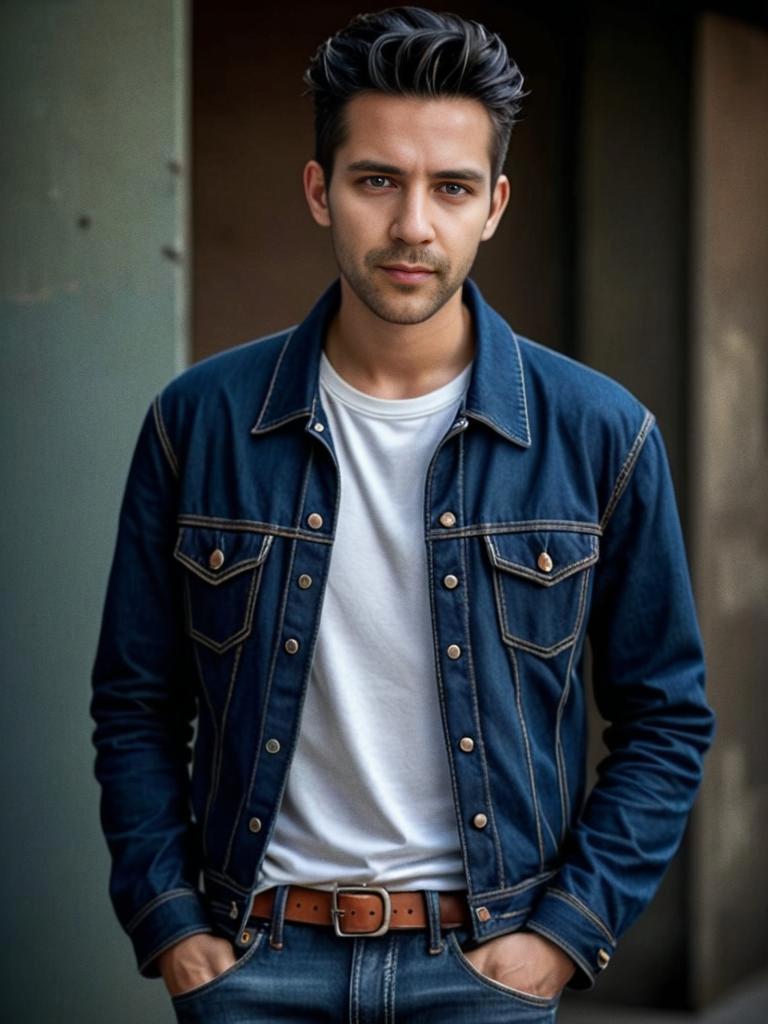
143	708
648	678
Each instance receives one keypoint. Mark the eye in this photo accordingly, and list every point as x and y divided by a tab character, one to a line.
452	188
377	181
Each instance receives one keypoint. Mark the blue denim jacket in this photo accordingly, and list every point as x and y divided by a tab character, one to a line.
550	500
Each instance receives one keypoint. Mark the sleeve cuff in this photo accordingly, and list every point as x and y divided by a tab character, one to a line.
167	919
565	920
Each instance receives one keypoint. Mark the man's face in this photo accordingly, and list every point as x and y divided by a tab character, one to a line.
409	201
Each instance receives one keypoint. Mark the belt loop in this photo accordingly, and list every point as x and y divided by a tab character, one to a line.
278	917
432	900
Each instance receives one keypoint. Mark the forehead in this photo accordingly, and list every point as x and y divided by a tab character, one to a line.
414	132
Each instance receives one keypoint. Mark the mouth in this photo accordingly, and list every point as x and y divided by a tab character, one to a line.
407	273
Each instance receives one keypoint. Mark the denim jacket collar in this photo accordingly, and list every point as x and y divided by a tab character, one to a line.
496	393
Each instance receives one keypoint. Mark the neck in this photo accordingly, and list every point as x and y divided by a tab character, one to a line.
398	360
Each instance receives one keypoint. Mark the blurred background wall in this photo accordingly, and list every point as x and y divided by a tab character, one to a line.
150	169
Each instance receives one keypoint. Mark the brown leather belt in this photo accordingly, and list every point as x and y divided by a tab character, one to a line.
357	910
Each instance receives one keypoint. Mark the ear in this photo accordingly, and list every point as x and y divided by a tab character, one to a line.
499	201
316	193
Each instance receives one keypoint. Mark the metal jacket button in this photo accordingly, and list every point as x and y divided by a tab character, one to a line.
314	520
273	746
544	562
291	645
480	820
216	559
453	651
467	744
450	581
254	825
305	581
447	519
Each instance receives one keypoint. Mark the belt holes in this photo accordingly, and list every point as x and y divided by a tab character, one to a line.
371	913
410	910
315	908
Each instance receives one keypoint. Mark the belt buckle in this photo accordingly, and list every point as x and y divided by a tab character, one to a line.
365	890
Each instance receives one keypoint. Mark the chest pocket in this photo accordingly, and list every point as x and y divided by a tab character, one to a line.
221	583
540	582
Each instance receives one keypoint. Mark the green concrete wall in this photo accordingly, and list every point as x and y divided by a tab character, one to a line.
92	323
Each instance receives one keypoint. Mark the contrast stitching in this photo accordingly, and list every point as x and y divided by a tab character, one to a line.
473	682
272	382
216	740
270	678
242	633
529	759
357	953
546	580
627	467
523	389
251	526
535	926
214	792
585	910
215	579
155	902
524	526
528	645
165	441
562	775
238	965
230	883
273	424
195	929
494	425
513	913
439	673
389	982
491	895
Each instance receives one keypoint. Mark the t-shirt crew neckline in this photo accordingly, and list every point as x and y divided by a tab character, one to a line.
392	408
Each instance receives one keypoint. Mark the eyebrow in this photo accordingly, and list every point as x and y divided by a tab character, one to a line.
374	167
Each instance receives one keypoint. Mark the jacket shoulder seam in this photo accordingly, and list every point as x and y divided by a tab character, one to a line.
627	467
165	440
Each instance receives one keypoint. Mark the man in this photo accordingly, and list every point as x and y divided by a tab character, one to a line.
366	554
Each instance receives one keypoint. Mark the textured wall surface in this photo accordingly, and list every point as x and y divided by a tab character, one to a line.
730	922
93	129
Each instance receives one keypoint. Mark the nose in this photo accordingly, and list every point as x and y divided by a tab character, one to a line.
412	223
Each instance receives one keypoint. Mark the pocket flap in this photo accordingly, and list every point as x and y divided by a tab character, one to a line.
545	558
218	555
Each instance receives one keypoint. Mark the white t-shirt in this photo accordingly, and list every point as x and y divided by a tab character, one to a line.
369	796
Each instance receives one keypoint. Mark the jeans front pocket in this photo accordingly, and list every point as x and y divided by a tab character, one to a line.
524	999
221	981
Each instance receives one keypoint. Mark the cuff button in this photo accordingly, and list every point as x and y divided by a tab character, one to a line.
603	959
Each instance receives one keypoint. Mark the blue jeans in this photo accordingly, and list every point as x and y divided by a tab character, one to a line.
403	976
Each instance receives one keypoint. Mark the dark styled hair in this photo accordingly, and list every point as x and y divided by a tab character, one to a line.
411	51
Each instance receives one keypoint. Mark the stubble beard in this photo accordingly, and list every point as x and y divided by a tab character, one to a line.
391	301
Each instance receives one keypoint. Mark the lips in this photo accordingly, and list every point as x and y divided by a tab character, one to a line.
407	273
